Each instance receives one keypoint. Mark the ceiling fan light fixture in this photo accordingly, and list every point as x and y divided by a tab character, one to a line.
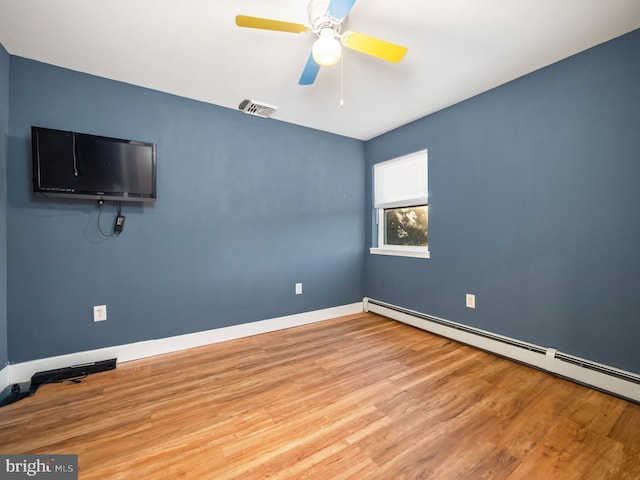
326	49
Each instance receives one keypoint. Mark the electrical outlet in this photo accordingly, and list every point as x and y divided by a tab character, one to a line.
298	289
99	313
471	300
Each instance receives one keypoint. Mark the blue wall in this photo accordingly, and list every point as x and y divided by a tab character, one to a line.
4	132
534	207
246	208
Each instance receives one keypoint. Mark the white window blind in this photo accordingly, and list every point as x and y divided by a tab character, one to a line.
401	181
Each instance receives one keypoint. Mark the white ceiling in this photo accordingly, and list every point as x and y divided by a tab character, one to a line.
192	48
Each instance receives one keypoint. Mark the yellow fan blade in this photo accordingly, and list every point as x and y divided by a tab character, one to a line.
373	46
268	24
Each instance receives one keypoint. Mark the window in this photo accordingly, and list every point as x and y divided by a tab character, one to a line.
401	203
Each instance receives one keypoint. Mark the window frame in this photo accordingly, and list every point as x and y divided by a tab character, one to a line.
417	199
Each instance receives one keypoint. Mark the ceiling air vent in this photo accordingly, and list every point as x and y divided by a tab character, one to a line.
259	109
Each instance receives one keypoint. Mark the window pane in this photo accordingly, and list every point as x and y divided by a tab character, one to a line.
406	226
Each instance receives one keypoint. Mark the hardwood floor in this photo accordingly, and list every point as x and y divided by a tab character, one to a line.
357	397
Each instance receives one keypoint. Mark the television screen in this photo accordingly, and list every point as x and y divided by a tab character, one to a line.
78	165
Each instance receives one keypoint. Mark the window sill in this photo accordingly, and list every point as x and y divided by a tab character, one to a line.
401	252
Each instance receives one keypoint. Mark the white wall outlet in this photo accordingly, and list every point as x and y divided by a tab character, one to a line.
471	300
99	313
298	289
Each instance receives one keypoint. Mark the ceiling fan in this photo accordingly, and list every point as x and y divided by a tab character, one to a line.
326	18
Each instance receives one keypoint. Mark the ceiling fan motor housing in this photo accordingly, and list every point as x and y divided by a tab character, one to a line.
320	19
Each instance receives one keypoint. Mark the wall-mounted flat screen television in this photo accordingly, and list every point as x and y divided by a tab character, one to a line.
78	165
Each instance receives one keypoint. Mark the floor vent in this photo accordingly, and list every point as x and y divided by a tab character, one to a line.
602	377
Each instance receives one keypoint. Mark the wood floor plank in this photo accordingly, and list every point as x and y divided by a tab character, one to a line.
573	452
356	397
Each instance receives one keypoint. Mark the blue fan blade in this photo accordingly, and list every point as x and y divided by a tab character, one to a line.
310	72
339	9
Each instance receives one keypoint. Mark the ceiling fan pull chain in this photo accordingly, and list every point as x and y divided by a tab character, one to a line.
342	82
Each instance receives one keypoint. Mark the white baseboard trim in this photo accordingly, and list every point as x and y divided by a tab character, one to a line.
5	377
22	372
602	377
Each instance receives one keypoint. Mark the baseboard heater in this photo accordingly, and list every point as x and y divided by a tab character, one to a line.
74	373
601	377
